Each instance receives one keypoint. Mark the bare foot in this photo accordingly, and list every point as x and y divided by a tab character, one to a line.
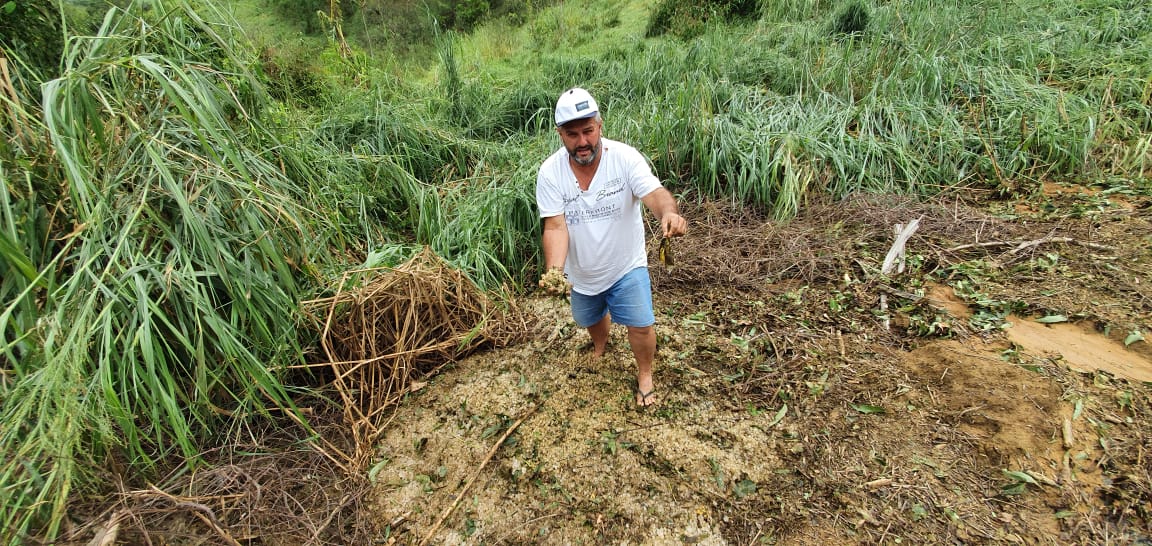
597	352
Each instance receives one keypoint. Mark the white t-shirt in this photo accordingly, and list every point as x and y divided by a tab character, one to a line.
605	223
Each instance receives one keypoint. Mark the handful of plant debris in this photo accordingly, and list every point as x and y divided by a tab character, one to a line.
666	252
554	283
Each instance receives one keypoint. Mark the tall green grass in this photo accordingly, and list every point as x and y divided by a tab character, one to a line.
156	297
929	95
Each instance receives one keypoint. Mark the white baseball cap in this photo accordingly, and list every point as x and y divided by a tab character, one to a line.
575	104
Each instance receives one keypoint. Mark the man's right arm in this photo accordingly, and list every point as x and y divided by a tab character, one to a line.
555	242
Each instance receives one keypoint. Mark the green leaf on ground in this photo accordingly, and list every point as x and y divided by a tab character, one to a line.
918	512
743	488
1015	488
867	408
374	472
779	415
1020	476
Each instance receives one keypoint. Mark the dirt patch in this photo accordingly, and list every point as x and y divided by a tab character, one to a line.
1083	348
944	297
1013	413
968	445
586	467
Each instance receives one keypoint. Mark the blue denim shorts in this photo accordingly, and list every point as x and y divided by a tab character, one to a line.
629	301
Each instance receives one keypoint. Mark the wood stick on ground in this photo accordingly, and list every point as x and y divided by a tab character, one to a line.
205	514
879	483
201	511
476	474
1023	245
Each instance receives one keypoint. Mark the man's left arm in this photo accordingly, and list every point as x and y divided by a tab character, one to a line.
663	206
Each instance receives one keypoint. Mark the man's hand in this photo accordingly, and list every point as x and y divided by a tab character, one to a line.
554	283
673	225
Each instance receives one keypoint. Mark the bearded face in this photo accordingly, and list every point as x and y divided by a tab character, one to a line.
586	154
582	140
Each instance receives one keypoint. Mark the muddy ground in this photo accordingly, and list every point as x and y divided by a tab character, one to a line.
1003	397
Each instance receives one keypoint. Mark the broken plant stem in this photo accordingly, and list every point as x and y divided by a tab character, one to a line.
895	259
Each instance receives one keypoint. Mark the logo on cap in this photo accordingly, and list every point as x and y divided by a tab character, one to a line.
581	106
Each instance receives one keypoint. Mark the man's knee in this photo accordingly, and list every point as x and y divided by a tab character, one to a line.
642	330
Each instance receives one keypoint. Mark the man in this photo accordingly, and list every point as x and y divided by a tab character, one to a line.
589	194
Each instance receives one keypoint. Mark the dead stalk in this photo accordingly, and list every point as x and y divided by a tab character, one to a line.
491	453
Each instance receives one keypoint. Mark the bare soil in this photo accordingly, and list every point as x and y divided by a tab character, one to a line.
1002	397
790	414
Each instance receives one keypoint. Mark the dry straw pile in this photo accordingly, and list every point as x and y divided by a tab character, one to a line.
398	326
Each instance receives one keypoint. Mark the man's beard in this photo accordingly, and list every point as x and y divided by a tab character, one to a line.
573	153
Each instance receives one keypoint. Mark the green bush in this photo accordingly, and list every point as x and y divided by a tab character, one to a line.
291	76
304	12
33	31
687	20
464	15
163	282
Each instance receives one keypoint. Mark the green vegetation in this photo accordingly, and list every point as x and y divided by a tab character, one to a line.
163	210
688	20
392	26
32	31
154	250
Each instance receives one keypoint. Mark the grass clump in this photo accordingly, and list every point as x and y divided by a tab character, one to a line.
851	19
154	300
687	20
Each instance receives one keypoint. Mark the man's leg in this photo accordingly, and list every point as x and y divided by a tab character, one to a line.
643	341
599	333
